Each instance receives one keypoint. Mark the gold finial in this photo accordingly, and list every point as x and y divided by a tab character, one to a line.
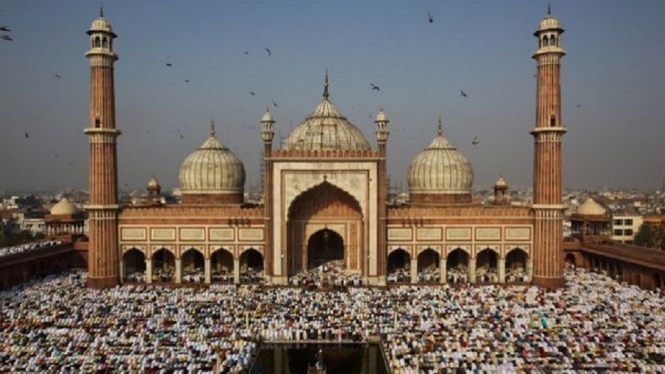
101	11
549	9
212	127
440	131
326	94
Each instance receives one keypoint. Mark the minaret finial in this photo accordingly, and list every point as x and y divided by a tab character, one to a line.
440	131
326	94
101	10
212	127
549	9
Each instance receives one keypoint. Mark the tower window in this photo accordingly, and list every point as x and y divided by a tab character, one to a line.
98	122
104	43
97	42
554	41
553	121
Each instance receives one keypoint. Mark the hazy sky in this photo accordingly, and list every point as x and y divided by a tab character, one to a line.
613	83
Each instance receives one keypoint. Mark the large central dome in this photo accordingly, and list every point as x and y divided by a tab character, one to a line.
326	129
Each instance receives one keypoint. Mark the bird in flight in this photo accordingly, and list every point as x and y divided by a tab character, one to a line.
5	29
186	80
246	52
252	93
430	17
268	50
274	104
462	93
57	76
375	87
7	38
475	141
579	105
27	135
169	64
182	137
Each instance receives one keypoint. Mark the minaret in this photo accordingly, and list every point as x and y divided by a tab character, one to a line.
267	134
500	189
547	184
103	255
382	134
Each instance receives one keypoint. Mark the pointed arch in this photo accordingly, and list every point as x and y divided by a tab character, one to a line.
221	265
487	262
428	266
312	202
399	262
323	247
324	206
251	266
193	264
516	265
163	265
133	263
457	266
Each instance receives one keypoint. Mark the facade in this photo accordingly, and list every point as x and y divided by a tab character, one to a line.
325	199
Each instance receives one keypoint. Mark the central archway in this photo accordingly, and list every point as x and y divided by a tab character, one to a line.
325	223
323	247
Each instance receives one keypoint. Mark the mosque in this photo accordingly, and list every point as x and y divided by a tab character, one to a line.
325	199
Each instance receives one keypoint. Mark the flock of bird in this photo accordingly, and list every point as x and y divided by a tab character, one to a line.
373	86
5	37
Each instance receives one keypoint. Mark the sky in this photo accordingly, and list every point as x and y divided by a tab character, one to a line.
612	79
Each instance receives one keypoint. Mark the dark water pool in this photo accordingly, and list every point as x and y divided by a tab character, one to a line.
339	358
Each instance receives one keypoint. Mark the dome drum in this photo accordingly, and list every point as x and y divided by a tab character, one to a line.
212	198
440	199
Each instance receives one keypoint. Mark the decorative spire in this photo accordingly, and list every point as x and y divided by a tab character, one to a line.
549	9
326	94
440	131
212	127
101	11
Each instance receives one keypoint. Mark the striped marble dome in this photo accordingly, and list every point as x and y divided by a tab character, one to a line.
440	169
326	129
212	168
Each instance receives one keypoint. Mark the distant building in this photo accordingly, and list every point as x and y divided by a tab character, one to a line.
625	225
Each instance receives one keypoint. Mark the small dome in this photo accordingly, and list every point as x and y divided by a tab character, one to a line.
591	208
500	182
267	116
64	207
212	168
325	128
153	182
549	23
440	169
101	25
381	116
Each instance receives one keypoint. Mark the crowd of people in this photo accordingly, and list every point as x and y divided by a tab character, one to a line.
594	323
29	247
330	274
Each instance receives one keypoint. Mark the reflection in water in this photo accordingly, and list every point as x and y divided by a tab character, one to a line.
347	358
